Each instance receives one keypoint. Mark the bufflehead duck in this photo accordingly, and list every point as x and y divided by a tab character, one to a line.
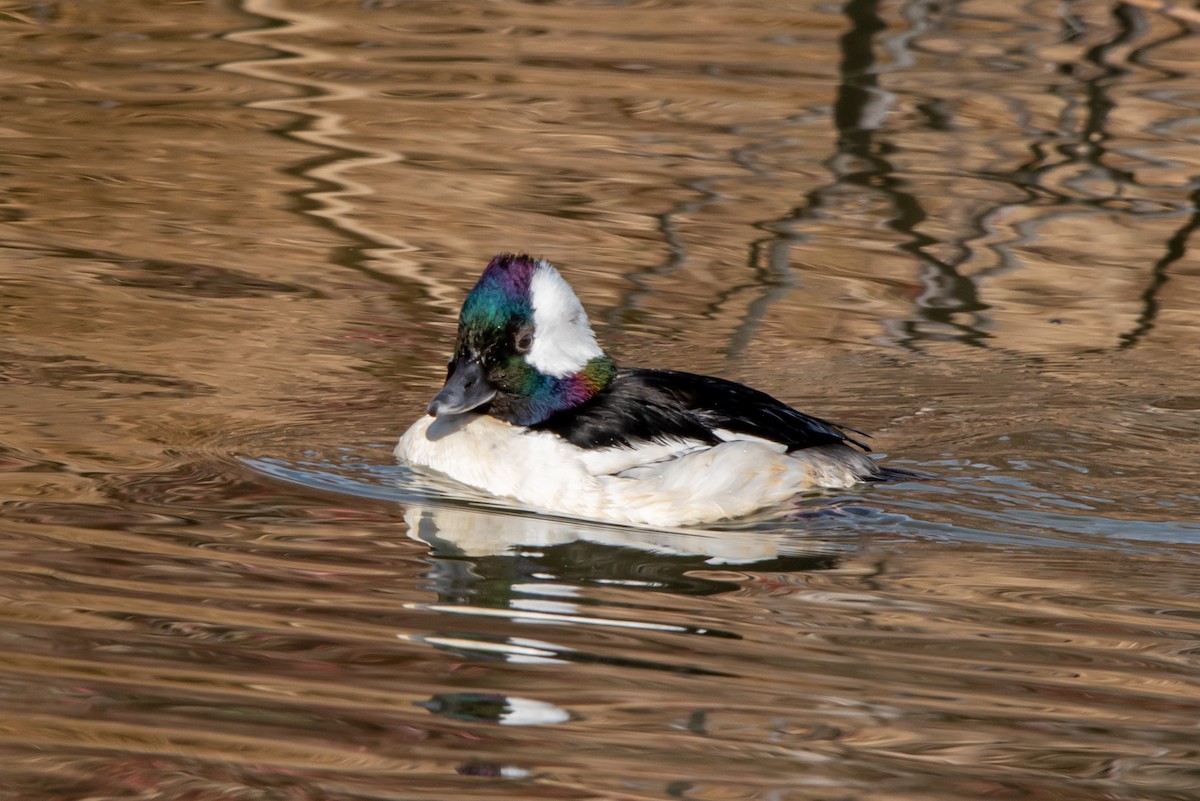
533	410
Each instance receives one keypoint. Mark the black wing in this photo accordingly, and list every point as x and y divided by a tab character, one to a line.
657	405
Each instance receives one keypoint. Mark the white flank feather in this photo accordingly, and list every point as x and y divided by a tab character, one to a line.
540	469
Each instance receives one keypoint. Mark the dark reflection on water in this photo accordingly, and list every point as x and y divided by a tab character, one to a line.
234	238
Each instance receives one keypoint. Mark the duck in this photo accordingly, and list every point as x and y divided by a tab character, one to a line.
534	411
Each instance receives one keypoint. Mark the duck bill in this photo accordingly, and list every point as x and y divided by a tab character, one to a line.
467	388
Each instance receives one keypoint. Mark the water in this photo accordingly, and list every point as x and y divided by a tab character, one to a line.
234	237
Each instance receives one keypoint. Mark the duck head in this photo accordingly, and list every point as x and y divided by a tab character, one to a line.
525	348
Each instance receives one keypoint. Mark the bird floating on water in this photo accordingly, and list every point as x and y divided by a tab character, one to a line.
534	410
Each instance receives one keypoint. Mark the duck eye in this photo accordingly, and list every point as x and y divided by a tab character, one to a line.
524	340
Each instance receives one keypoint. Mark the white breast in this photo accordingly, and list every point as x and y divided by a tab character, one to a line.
534	467
658	485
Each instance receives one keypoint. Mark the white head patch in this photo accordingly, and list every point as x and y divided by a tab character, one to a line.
563	341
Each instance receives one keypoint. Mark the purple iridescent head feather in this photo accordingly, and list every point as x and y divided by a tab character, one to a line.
502	293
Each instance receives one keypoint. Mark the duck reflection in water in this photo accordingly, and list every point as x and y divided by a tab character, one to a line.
493	571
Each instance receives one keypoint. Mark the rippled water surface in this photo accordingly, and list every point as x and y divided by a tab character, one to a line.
233	240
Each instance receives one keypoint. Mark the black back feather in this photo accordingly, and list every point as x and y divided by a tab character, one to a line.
657	405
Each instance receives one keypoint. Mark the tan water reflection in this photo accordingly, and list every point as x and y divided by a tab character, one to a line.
232	240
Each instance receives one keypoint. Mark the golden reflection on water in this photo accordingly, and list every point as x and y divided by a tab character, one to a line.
234	236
